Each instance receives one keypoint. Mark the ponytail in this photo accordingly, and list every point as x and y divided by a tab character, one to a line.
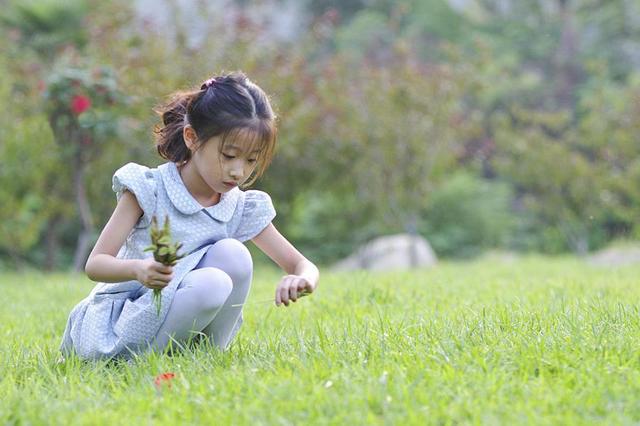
169	140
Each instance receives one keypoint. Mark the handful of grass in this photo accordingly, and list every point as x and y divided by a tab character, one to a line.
164	251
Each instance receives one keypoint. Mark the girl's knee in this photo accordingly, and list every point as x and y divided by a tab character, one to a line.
234	247
237	258
214	287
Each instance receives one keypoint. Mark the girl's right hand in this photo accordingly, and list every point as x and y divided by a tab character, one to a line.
153	274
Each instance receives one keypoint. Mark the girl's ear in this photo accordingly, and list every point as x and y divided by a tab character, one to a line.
190	137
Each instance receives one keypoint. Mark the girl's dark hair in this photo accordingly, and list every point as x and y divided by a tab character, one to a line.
230	106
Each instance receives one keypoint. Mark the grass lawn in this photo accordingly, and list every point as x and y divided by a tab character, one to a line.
533	341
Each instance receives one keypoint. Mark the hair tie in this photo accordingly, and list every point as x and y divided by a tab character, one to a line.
210	82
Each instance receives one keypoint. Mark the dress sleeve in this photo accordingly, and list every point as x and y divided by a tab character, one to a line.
257	214
140	181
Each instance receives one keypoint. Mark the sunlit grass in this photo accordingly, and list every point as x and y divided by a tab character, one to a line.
537	341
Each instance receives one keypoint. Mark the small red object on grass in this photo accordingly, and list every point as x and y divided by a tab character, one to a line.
164	379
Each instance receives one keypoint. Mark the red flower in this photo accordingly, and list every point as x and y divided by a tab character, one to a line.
164	379
80	104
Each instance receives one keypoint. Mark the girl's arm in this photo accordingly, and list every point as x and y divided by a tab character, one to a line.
303	274
103	265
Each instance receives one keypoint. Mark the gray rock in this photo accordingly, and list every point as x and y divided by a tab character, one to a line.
391	252
616	256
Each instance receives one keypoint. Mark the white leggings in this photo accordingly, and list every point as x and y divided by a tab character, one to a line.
203	301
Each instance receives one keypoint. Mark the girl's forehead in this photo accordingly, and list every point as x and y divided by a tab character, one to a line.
244	140
241	147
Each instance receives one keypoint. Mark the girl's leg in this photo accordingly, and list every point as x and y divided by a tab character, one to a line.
197	301
232	257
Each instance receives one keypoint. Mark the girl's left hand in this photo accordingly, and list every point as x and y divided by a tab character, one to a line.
292	287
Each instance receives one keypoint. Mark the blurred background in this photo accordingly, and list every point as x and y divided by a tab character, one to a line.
480	125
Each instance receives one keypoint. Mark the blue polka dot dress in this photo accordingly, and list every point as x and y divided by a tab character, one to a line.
119	319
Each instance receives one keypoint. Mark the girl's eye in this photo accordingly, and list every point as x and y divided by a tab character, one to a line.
228	157
252	160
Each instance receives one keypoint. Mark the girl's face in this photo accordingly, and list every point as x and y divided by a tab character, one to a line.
224	170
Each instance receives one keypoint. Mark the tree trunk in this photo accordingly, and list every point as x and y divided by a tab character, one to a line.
52	243
84	239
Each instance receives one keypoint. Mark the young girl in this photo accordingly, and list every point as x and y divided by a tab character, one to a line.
217	139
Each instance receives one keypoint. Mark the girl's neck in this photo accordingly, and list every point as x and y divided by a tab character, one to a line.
196	186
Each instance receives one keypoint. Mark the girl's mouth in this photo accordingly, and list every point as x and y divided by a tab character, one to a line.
230	184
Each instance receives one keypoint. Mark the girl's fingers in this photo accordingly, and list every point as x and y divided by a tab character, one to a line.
291	288
163	276
286	290
165	269
278	299
293	291
157	283
302	288
284	294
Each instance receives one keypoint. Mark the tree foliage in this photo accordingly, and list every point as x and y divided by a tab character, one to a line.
444	118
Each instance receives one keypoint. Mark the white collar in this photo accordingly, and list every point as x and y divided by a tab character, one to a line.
186	204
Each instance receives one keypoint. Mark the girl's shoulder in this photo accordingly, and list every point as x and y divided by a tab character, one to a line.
142	182
256	196
255	213
254	202
135	171
136	178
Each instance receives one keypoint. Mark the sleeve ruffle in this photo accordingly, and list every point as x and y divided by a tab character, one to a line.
140	181
258	212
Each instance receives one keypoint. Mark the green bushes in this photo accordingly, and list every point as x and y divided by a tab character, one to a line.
467	215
